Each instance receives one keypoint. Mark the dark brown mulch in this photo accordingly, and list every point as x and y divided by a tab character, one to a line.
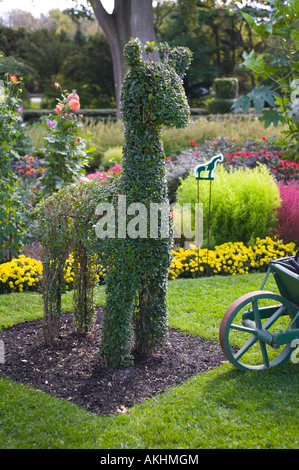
71	369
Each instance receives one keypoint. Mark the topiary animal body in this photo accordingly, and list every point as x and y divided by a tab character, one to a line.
152	95
137	265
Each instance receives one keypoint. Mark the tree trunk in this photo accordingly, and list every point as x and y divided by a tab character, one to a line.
130	18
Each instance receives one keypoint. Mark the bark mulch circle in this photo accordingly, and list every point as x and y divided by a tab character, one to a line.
71	369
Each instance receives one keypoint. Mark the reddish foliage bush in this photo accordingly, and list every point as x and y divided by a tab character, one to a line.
288	212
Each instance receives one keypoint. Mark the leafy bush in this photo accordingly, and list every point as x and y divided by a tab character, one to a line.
280	30
243	205
226	88
112	156
228	258
64	153
12	226
288	212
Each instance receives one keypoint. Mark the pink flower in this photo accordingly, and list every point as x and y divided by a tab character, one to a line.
169	159
191	142
214	142
234	138
264	138
59	108
72	97
78	140
74	105
56	85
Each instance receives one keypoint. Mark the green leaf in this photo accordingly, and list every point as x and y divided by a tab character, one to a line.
261	95
242	102
256	64
294	4
271	116
264	29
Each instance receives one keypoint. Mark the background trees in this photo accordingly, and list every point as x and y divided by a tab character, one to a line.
75	47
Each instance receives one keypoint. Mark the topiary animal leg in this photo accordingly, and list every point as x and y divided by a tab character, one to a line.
116	342
151	315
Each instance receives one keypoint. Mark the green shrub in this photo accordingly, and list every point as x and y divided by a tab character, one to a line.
219	106
243	205
65	155
226	88
112	156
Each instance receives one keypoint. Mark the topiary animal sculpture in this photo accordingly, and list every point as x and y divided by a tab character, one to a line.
152	95
135	254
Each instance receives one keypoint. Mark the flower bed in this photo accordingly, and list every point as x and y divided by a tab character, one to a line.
248	154
25	273
228	259
20	274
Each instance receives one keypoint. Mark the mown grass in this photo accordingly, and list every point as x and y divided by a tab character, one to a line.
222	408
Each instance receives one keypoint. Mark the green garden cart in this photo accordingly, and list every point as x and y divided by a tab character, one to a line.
261	329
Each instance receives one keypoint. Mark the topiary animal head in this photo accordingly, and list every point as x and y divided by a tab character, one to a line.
153	92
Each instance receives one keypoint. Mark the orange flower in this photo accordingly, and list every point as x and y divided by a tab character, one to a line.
21	171
31	159
28	173
13	78
234	138
32	171
59	108
264	138
42	170
28	167
74	105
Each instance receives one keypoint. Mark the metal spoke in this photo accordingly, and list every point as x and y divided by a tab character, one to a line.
264	353
274	317
245	347
242	328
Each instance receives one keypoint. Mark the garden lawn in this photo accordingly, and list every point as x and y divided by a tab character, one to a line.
222	408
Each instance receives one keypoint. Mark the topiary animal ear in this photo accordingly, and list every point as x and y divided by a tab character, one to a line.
133	52
180	59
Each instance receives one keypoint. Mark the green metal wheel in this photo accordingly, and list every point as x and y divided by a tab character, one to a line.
257	330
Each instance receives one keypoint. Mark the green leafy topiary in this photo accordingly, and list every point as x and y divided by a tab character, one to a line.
136	265
152	95
226	90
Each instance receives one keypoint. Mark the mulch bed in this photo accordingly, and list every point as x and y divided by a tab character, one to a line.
71	369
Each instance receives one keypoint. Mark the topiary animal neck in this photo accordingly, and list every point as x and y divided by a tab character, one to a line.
143	170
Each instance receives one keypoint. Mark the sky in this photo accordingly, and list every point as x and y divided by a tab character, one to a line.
37	7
